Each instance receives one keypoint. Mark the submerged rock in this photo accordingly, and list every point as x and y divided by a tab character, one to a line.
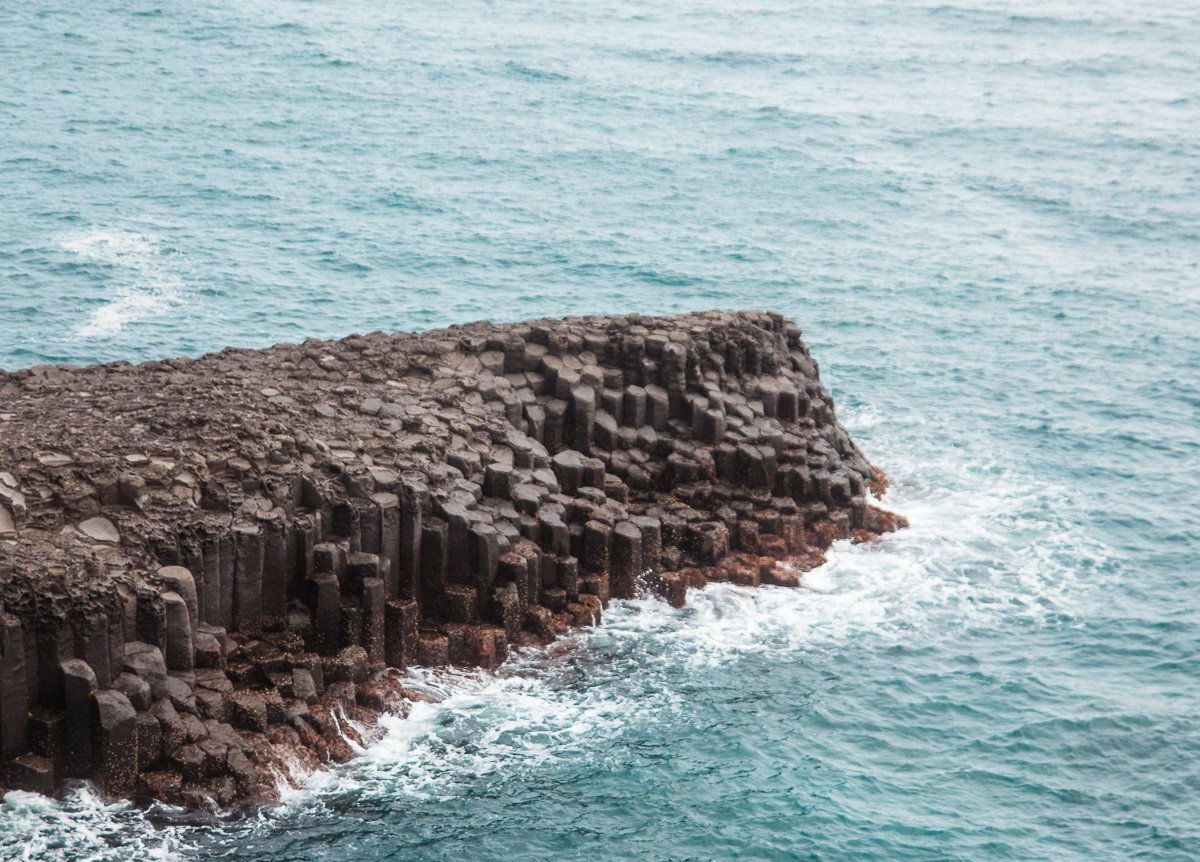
207	565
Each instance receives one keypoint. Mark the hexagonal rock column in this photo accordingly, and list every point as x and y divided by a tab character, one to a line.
115	721
284	523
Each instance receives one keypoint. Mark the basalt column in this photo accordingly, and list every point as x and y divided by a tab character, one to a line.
208	565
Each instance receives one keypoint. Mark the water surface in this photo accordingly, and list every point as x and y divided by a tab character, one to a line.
986	218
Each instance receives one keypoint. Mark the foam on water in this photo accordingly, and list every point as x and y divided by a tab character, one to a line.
487	724
136	268
81	827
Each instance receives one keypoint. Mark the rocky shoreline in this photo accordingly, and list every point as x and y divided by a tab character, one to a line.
208	565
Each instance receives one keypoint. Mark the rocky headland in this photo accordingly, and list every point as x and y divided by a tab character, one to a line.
209	566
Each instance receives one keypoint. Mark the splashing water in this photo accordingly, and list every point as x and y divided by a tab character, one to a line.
81	827
137	268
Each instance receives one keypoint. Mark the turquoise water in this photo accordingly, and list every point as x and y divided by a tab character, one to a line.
986	218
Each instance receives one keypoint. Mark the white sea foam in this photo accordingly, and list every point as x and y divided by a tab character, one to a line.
145	284
481	724
81	827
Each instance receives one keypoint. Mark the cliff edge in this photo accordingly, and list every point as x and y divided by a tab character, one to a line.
207	565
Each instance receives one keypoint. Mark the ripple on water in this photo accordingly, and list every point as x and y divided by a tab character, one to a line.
983	218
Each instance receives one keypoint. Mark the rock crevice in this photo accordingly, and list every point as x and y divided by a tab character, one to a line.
207	565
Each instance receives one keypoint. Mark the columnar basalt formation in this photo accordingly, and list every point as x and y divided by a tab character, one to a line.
207	565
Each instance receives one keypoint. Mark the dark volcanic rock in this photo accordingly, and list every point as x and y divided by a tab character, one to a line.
249	539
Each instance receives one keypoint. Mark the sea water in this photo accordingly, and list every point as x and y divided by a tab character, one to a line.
984	215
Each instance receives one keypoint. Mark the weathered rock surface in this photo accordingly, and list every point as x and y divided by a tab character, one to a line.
206	564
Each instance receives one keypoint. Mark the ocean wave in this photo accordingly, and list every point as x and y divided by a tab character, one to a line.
138	266
79	827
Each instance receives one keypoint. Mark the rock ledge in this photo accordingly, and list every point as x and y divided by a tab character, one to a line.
207	565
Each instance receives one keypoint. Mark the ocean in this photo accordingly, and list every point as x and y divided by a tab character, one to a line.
985	216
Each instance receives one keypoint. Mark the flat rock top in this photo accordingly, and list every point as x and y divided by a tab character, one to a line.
98	462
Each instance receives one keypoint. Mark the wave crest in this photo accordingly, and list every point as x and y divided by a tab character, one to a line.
138	265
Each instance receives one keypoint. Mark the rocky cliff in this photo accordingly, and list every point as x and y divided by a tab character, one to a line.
207	565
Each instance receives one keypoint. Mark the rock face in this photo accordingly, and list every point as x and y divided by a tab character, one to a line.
207	565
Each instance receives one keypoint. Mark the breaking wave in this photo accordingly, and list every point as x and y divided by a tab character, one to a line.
81	826
138	267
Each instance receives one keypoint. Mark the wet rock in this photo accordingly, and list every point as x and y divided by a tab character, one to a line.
778	577
79	686
349	665
626	560
433	650
31	773
149	735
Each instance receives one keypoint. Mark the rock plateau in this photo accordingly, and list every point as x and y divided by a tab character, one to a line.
207	565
